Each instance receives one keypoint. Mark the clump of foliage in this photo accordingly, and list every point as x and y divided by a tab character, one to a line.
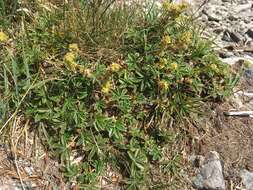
102	81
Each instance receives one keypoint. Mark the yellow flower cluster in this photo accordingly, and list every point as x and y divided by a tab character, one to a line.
166	40
73	48
214	67
114	67
86	72
106	87
173	8
70	59
3	37
162	63
186	38
174	66
181	19
188	80
163	84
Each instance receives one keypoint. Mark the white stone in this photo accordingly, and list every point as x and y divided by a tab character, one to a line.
210	176
247	179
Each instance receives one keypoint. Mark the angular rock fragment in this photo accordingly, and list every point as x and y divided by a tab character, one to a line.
247	179
210	176
230	36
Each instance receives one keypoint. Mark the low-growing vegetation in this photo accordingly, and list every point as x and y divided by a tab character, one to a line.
105	84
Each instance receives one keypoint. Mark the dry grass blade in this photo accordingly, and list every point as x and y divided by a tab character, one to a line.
14	149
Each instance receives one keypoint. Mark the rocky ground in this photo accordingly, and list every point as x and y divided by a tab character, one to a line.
228	141
223	155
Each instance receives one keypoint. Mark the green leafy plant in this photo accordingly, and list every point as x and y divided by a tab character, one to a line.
103	82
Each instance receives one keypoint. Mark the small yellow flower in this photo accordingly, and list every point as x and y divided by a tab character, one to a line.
166	5
106	87
189	80
70	60
186	37
114	67
85	71
3	37
166	40
163	84
174	66
113	119
162	63
214	67
173	8
73	67
73	47
70	57
181	19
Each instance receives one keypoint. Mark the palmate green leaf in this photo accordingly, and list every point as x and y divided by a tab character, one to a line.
100	122
42	114
135	160
123	100
99	166
153	149
116	130
72	171
137	154
171	166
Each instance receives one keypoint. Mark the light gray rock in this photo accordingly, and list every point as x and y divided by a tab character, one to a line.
248	73
210	176
215	25
11	184
234	59
247	20
247	179
204	18
243	8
